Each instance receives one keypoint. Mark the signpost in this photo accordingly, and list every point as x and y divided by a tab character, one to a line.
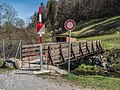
69	25
40	30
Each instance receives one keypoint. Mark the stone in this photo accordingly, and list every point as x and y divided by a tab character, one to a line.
8	64
12	63
41	72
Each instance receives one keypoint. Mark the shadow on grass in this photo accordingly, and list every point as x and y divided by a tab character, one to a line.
99	28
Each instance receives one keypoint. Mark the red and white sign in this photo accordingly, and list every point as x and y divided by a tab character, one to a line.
40	28
70	25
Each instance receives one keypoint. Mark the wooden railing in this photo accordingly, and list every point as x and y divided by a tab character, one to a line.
58	52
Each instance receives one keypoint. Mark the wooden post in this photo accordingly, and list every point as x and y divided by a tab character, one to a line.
49	54
3	50
20	50
97	46
61	54
80	49
100	45
72	50
17	50
92	47
29	61
87	49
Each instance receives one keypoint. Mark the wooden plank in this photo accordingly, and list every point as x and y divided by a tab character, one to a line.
64	49
65	55
90	49
56	58
55	51
30	54
83	47
45	47
55	54
32	45
64	45
55	46
95	49
76	52
58	61
30	49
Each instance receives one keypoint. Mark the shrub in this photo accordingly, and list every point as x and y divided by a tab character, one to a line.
88	69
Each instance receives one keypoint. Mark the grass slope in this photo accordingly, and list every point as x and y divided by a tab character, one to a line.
105	29
97	27
108	41
95	82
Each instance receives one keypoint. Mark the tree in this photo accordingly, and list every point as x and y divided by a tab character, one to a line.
51	13
86	9
20	23
7	17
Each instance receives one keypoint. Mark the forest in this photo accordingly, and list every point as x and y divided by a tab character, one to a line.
55	13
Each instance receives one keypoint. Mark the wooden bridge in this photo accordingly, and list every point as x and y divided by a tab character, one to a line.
57	53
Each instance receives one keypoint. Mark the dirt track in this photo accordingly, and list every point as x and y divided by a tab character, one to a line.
13	81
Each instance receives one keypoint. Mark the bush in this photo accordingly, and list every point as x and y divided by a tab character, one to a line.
88	69
115	67
1	62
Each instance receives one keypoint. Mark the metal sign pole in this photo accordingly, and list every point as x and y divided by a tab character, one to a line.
69	52
41	61
69	25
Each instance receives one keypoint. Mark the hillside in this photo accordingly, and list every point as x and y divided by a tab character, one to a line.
97	27
105	29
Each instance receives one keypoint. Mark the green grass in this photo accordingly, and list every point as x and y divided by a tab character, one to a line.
105	29
95	27
108	41
95	82
4	70
1	62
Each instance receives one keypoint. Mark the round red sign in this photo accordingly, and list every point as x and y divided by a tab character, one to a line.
70	25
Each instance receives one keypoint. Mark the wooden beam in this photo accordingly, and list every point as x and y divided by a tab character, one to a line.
87	49
80	49
61	54
72	52
49	55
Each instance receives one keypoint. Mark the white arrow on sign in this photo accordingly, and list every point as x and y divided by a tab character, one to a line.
42	30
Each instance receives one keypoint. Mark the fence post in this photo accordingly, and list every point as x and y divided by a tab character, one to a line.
80	49
17	50
49	53
72	52
93	47
3	50
61	54
20	50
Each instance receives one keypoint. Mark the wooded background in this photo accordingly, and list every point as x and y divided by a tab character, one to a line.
55	13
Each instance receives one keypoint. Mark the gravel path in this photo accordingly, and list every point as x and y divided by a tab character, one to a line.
13	81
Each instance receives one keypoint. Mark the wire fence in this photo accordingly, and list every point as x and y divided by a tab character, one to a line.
9	49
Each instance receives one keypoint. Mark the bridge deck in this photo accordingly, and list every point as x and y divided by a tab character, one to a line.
58	52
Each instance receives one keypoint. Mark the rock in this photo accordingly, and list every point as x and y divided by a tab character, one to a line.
12	63
96	60
8	64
